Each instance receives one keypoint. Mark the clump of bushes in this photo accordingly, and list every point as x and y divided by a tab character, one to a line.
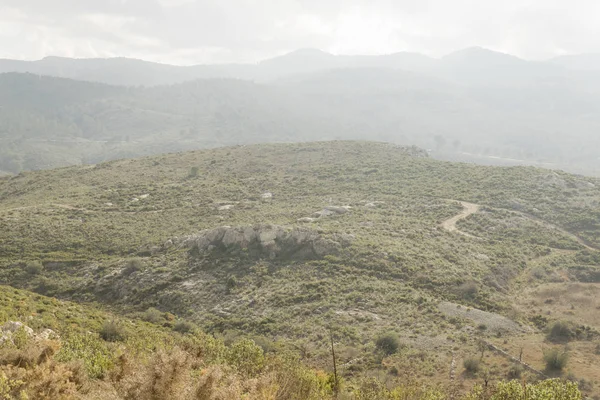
153	316
133	265
468	290
471	365
184	327
231	283
515	371
556	360
34	268
561	331
388	343
112	331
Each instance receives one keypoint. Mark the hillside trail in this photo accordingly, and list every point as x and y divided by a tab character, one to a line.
520	282
469	209
558	228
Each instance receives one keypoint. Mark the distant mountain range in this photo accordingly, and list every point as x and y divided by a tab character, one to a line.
458	65
472	105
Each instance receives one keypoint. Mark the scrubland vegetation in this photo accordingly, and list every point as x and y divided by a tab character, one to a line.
209	275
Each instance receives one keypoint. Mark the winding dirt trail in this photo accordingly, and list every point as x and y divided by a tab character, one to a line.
469	209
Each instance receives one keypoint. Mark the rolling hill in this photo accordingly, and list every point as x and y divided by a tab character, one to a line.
290	242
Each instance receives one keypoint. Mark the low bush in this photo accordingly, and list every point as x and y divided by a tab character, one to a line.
34	268
471	365
556	360
153	315
388	343
560	332
112	331
184	327
515	371
133	265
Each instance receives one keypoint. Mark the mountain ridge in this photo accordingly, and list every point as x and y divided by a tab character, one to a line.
302	60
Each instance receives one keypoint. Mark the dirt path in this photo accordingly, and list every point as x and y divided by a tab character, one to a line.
521	281
470	209
450	224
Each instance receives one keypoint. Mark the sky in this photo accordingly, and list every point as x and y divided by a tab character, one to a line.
222	31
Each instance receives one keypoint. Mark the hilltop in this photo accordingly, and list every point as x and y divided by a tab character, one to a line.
289	242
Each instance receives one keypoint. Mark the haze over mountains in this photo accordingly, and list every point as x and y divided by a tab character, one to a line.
472	105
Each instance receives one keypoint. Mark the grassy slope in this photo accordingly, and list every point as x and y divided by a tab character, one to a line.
83	223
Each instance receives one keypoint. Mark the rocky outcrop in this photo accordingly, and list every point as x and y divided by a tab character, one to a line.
269	241
12	328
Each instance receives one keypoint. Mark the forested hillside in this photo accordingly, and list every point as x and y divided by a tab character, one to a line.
471	106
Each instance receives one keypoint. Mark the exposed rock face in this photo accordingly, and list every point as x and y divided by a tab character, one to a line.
270	241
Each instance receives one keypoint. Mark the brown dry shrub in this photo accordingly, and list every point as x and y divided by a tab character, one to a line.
165	376
33	373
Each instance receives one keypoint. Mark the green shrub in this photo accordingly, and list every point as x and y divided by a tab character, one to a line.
471	365
246	357
193	172
468	290
561	331
555	359
34	268
154	316
184	327
133	265
388	343
95	354
551	389
515	371
231	283
112	331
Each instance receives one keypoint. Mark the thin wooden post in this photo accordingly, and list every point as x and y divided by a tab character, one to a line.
336	386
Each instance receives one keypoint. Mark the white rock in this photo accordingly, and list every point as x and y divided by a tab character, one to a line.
226	207
144	196
12	327
47	334
338	210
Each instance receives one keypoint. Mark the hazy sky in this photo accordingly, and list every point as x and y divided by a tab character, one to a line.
212	31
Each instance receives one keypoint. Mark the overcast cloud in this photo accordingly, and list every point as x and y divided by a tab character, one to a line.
216	31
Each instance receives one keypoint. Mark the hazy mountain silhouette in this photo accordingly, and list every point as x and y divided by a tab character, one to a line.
474	102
